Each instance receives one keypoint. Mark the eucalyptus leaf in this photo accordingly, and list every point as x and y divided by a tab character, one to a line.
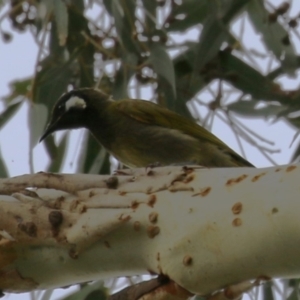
61	19
57	163
124	16
9	112
38	114
247	79
93	158
267	291
123	76
249	108
150	16
18	88
3	169
186	15
273	35
215	29
162	64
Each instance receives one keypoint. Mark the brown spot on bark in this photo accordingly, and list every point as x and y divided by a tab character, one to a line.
92	194
233	181
158	256
237	222
29	228
30	193
151	200
153	217
188	170
124	218
203	192
264	278
73	253
83	209
55	218
189	178
256	177
274	210
187	260
112	182
290	168
134	204
237	208
152	231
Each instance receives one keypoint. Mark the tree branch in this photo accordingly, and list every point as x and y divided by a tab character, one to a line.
205	229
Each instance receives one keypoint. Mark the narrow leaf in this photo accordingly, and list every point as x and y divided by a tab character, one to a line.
8	113
189	13
162	64
38	114
61	19
273	35
3	169
56	164
215	29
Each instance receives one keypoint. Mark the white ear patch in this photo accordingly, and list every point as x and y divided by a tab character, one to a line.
75	102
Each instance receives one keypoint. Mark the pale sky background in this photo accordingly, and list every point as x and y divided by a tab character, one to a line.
17	61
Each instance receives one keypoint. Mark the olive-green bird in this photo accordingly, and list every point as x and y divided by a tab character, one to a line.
139	133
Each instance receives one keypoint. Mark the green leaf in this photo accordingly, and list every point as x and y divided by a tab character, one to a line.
215	29
38	114
93	157
273	34
99	162
150	17
108	6
3	169
186	15
79	46
9	112
246	78
162	64
124	16
61	19
189	82
293	295
248	108
18	88
123	76
267	291
56	163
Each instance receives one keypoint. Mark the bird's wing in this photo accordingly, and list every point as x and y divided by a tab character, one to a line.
150	113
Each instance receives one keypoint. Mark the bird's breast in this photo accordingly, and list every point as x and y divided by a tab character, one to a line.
139	147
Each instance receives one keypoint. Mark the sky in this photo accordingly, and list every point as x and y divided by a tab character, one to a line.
18	59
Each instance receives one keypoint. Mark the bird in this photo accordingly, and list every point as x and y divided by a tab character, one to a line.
140	133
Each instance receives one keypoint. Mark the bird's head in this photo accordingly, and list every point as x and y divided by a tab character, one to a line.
73	109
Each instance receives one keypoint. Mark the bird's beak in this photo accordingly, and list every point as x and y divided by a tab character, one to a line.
51	127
